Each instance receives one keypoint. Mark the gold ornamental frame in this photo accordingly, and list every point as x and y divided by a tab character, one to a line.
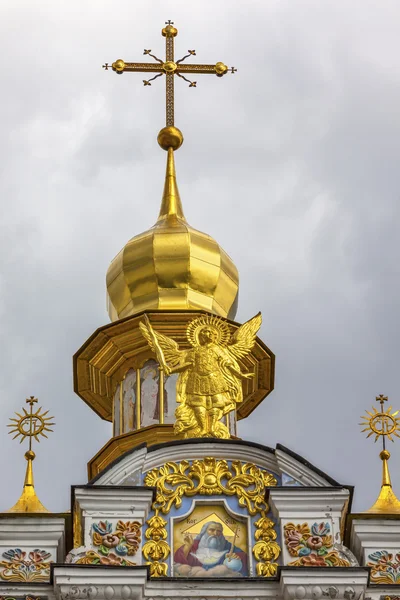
208	477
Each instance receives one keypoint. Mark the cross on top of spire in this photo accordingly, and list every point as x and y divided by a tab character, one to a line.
169	67
383	424
30	424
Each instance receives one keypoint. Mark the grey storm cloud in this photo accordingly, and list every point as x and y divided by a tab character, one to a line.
291	164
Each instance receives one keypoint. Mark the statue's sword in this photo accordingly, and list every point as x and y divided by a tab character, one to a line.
157	348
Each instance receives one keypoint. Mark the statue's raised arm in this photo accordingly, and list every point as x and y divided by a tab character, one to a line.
166	349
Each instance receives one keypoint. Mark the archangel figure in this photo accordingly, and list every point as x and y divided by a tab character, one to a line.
210	378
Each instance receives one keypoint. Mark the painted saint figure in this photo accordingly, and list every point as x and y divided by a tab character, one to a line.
210	552
210	378
129	401
117	410
149	380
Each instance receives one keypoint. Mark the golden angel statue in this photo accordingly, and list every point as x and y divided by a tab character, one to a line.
210	379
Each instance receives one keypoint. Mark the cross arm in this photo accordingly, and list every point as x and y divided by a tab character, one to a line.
218	69
120	66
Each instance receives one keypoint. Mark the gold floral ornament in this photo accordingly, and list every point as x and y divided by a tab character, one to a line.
156	550
209	477
210	378
266	550
312	546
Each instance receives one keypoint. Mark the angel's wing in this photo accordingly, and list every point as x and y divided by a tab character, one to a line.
166	349
243	339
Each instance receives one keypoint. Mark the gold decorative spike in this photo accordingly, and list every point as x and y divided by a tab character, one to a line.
383	423
30	425
169	67
210	378
171	205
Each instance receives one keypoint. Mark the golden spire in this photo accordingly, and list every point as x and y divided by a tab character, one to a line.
383	424
170	138
30	425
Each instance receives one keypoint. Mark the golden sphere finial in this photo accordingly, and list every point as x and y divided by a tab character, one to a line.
170	137
169	30
220	69
384	455
119	65
30	455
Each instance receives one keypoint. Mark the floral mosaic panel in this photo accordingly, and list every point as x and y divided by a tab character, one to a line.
23	566
312	546
23	597
113	544
91	557
385	567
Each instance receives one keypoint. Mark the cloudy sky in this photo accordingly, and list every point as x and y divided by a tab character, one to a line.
291	164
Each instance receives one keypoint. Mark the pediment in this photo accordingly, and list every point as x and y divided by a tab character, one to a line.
289	468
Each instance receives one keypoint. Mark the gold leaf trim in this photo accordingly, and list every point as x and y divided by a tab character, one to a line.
156	549
266	550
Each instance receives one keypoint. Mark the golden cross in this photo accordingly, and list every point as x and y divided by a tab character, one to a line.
382	399
169	68
31	401
382	424
31	424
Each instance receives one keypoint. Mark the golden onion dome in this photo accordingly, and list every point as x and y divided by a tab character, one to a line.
172	265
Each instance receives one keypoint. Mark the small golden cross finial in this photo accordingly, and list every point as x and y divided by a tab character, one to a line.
31	425
31	400
169	67
383	424
382	399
